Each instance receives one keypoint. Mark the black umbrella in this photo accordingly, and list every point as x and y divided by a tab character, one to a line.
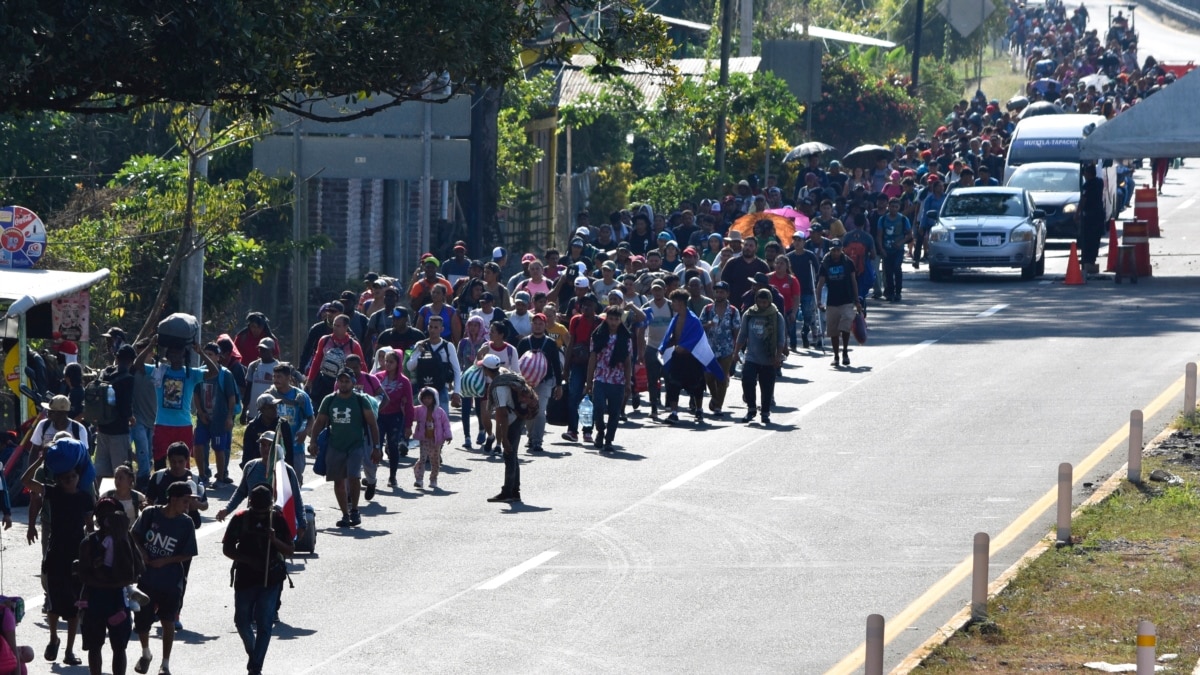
1041	108
865	156
808	149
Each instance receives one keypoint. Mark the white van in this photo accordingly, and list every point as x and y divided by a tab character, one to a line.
1056	138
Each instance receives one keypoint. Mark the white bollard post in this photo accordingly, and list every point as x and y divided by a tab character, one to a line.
1146	642
874	665
1189	389
1135	446
1065	480
979	577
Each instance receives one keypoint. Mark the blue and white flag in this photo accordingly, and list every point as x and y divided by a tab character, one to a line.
695	341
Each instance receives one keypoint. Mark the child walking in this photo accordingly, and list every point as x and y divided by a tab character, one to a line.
431	426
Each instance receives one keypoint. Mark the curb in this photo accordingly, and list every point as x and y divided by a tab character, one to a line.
963	617
1189	17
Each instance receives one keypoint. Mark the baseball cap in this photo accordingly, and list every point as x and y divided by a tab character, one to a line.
691	250
835	243
268	436
59	403
617	293
487	297
760	278
399	313
716	207
345	372
498	253
371	277
114	332
664	235
266	399
490	361
583	231
582	282
521	296
267	343
724	285
460	247
577	242
835	164
528	258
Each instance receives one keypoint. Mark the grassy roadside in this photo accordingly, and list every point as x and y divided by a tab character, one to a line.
999	82
1136	557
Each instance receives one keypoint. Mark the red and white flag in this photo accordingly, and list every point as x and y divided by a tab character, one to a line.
284	499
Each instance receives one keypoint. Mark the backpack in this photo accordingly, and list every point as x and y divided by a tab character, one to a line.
333	359
96	407
525	399
431	369
178	330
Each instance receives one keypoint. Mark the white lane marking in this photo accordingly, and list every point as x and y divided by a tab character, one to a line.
692	474
818	402
914	349
990	311
705	466
512	573
1186	205
1047	282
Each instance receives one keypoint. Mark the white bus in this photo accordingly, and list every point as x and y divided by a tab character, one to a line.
1055	138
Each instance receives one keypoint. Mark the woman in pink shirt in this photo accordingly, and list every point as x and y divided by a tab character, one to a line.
396	412
431	426
782	280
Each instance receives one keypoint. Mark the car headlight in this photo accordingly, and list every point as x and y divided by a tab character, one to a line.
1070	208
1022	233
939	233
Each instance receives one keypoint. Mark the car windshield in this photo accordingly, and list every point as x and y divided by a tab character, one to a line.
983	204
1046	179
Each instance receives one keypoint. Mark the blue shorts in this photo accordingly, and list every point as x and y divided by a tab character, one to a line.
219	442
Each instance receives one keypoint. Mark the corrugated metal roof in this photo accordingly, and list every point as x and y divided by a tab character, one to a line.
575	83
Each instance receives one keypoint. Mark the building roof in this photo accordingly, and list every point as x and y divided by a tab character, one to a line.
28	288
575	83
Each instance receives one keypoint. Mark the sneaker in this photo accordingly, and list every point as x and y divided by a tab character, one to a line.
766	418
163	670
598	442
178	625
487	444
672	418
845	359
69	659
499	498
571	436
344	522
419	484
363	482
510	500
623	418
226	479
142	665
433	485
479	438
877	296
587	437
355	517
535	450
369	494
749	416
835	362
805	342
467	444
608	448
392	482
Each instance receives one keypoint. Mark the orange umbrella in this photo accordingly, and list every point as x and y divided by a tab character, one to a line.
784	227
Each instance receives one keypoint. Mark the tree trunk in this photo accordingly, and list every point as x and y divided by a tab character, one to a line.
182	251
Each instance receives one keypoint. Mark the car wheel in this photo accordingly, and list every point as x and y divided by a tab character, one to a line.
1039	267
1029	271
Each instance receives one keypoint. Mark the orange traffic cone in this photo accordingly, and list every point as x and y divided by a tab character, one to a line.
1112	246
1074	275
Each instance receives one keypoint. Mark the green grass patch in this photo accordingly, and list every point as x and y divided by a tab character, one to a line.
1137	558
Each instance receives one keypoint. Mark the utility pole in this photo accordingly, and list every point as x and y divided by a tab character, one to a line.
723	83
192	271
746	41
918	22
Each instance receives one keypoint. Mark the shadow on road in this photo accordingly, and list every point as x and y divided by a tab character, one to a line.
283	631
519	507
356	532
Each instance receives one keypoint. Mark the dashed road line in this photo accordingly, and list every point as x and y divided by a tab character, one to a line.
914	349
514	572
990	311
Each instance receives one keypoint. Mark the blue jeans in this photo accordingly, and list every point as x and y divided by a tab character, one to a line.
606	403
257	606
575	391
142	436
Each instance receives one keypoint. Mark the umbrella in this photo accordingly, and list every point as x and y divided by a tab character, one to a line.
784	227
807	149
1017	103
1097	80
1041	108
800	219
865	156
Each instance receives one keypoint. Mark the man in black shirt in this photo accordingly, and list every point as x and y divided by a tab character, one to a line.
837	275
400	336
739	272
113	446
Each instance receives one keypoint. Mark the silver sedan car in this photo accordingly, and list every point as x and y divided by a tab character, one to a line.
988	227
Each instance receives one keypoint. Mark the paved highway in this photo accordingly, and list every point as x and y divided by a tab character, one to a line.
739	548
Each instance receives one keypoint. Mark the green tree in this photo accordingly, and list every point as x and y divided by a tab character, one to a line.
121	55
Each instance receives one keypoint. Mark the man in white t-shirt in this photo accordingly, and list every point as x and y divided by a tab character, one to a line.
260	376
58	419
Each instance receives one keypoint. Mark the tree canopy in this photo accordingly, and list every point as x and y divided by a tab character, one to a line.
92	56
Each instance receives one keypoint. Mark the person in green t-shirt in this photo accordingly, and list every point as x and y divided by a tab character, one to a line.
347	414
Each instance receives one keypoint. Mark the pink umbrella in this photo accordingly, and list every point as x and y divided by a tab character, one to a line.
800	219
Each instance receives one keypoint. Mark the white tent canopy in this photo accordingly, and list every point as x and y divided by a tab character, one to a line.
29	288
1162	125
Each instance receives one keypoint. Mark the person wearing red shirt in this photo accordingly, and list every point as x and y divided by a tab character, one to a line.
580	328
788	285
330	358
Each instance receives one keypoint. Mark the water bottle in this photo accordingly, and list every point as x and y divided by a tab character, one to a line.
110	395
585	412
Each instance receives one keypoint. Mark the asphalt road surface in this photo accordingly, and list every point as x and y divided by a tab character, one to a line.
739	548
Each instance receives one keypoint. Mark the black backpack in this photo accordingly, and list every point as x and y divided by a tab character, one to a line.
431	369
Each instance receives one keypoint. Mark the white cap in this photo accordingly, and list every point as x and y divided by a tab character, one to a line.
582	230
490	361
582	282
498	253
